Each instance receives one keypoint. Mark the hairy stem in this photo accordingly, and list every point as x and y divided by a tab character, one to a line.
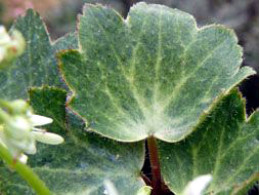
25	172
155	166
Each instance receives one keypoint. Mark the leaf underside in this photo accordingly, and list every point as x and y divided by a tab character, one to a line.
225	145
83	162
153	74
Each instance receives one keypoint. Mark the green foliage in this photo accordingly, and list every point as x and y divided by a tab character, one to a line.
153	74
37	66
24	171
69	41
132	78
83	162
225	145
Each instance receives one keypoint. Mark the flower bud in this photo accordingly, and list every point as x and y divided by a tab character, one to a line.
11	46
19	107
47	138
18	132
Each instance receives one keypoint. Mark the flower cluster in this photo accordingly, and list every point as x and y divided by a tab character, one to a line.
11	46
18	132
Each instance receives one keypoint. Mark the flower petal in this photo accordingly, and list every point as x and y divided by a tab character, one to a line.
23	158
47	138
5	38
31	148
38	120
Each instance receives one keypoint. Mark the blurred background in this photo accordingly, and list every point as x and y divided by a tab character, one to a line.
60	17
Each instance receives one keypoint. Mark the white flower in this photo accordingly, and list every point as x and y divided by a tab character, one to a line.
19	131
38	120
21	157
5	38
11	46
42	135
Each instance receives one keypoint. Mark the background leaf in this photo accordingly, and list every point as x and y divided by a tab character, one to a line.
37	66
69	41
154	73
83	162
225	145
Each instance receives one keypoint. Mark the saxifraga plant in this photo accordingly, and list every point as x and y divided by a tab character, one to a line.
117	83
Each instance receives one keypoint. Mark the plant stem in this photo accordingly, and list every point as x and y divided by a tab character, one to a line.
25	172
155	166
146	179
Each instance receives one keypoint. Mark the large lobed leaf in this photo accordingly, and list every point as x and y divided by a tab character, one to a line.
37	66
83	162
153	74
225	145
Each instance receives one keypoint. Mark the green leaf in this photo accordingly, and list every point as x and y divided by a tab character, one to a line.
83	162
154	73
225	145
24	171
37	66
69	41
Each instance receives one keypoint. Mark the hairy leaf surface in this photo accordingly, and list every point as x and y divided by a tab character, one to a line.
68	41
225	145
154	73
83	162
37	66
